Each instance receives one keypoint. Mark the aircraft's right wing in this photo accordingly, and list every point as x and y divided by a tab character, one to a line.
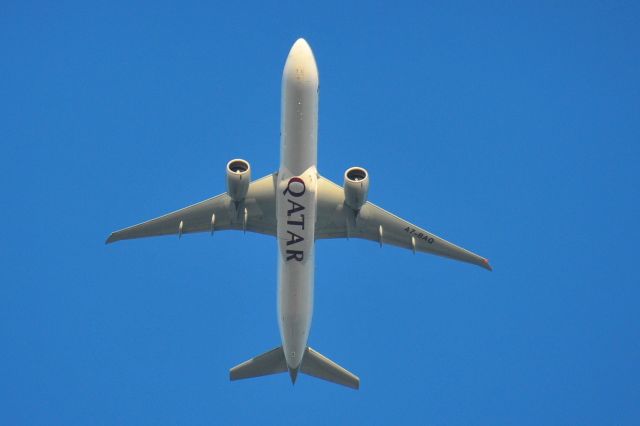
255	213
337	220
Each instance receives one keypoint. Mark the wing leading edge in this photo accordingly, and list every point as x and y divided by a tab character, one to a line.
336	220
256	213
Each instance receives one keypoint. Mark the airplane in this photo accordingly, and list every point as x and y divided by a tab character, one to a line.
298	206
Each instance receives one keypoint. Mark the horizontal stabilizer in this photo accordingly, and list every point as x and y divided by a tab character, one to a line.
316	365
271	362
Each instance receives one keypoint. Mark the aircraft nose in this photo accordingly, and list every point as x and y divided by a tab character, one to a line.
301	64
300	48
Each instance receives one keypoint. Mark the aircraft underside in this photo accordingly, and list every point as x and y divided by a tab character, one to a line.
298	206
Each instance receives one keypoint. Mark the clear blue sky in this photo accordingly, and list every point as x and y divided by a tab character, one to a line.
510	130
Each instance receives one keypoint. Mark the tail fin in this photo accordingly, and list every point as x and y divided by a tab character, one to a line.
271	362
313	364
316	365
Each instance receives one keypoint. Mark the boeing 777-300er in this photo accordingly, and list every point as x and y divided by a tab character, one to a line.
298	206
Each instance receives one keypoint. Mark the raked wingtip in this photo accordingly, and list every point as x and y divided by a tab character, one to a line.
485	264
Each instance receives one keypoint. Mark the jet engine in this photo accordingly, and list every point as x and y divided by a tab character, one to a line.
238	179
356	187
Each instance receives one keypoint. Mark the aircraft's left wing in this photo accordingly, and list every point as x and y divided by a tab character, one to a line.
256	213
337	220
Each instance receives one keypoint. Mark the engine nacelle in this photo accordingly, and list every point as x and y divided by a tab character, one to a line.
238	179
356	187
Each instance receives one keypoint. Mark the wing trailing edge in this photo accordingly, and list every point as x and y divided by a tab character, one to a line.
335	219
255	213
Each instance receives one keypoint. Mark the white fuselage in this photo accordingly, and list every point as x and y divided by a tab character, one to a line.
296	200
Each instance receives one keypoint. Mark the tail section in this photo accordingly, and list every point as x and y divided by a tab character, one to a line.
313	364
317	365
271	362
